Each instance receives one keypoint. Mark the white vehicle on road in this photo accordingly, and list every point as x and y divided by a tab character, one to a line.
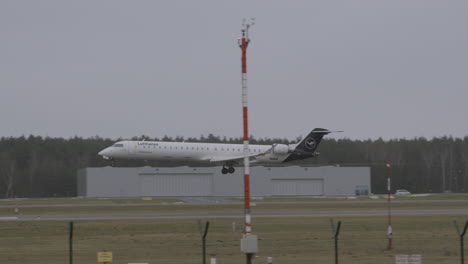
402	192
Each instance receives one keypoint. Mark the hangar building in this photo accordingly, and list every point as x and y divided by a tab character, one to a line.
209	181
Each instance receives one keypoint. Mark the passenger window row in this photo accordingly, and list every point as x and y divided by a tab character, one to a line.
188	148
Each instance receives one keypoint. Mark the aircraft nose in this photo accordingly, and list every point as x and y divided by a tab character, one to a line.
104	152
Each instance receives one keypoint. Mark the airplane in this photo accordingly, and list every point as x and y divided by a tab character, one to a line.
216	153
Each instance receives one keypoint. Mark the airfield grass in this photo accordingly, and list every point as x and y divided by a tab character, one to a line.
288	240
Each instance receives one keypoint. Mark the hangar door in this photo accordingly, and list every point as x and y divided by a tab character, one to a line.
176	184
297	186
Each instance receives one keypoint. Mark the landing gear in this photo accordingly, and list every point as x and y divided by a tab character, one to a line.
227	170
112	163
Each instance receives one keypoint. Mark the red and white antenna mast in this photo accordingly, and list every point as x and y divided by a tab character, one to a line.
243	43
249	241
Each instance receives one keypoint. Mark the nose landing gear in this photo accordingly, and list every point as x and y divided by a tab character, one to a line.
112	162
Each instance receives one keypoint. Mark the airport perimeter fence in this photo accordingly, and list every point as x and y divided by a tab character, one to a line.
362	240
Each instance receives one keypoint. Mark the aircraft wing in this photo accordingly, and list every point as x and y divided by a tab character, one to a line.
237	158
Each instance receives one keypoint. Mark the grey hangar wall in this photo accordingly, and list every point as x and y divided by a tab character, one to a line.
209	181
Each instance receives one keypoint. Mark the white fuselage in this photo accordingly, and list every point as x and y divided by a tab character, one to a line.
203	152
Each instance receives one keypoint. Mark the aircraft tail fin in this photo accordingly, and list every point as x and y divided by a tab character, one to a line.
310	143
307	146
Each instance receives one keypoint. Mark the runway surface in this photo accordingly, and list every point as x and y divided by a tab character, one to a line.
352	213
221	201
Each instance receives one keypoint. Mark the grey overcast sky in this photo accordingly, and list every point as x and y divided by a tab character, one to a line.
113	68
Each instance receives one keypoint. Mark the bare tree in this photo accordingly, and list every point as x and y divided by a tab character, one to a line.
464	159
33	166
7	174
428	158
444	159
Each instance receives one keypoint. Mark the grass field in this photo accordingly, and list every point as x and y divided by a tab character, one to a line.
287	240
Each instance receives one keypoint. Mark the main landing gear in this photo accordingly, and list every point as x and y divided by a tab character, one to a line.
227	170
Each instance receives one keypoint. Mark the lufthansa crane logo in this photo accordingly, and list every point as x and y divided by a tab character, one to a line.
310	143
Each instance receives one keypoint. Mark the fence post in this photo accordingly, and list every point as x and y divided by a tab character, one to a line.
70	241
203	234
335	232
462	235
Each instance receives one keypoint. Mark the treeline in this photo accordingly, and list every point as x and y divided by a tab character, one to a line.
47	167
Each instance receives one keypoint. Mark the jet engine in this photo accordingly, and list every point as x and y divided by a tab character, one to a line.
280	149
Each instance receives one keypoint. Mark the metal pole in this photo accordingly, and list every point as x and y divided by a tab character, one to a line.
204	250
389	203
335	232
248	218
203	234
244	42
249	241
462	235
70	241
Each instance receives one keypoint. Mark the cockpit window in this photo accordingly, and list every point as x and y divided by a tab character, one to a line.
118	145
